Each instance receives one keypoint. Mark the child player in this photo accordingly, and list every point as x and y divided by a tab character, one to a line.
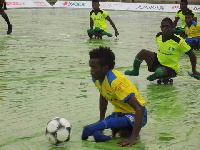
129	113
98	18
165	63
181	15
192	30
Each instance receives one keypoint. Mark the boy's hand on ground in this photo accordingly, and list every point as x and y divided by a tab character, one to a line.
128	142
116	33
196	73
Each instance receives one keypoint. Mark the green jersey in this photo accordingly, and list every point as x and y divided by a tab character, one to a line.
169	52
99	19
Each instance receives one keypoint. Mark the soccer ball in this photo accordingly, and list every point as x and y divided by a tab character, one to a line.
58	130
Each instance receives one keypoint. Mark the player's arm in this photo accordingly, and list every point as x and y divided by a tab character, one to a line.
175	21
139	109
113	25
91	23
193	61
103	103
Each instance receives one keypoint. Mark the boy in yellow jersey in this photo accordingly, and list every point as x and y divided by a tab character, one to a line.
165	63
192	30
4	15
99	17
181	15
129	111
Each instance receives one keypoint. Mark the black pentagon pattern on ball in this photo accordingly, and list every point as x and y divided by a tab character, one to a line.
58	127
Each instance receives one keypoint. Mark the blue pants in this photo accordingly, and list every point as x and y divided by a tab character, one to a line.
114	121
195	41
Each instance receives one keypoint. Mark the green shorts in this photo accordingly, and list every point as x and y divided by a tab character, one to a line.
178	30
96	31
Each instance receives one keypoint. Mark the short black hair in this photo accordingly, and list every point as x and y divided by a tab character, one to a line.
185	1
106	56
168	20
95	1
189	12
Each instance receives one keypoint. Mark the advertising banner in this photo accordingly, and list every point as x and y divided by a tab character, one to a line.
114	5
27	3
160	7
88	4
103	5
41	3
73	4
125	6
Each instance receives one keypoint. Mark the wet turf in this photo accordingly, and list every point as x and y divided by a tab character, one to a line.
44	73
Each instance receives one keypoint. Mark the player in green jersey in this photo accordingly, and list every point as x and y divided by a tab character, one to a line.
181	15
164	63
98	18
4	15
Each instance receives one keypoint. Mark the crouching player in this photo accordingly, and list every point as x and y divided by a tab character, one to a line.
181	15
165	63
4	15
129	112
99	17
192	30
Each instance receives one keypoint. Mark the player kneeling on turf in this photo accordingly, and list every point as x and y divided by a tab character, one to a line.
165	63
129	112
99	17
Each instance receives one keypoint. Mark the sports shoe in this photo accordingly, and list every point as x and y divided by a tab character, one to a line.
100	137
9	29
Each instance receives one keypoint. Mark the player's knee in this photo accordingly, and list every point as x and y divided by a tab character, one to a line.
143	51
88	130
89	31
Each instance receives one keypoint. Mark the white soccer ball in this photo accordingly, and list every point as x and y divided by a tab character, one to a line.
58	130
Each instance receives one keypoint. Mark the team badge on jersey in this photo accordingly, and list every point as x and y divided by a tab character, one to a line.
109	93
171	49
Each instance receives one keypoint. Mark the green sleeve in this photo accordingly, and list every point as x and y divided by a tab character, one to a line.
177	15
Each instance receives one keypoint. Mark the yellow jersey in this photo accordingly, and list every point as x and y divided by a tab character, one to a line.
169	52
117	89
180	15
99	19
193	31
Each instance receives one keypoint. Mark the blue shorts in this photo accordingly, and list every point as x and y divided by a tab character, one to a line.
130	117
195	41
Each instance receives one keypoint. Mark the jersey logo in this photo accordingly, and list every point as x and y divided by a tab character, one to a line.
109	92
131	118
182	43
118	87
171	49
